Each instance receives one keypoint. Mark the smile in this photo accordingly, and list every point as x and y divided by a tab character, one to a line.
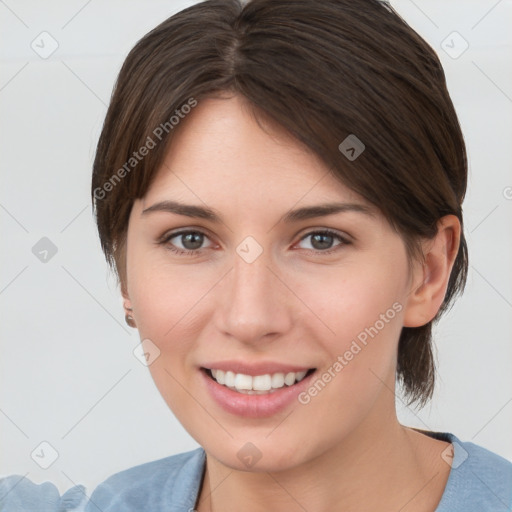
256	384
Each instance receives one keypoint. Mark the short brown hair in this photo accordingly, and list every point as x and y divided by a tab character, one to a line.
323	70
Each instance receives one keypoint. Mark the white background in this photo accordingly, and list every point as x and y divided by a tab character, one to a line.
68	375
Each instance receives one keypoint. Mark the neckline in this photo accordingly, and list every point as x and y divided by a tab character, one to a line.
458	470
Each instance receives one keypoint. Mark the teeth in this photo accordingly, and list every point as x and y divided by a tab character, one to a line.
259	383
219	376
277	380
289	379
229	379
300	375
262	383
243	381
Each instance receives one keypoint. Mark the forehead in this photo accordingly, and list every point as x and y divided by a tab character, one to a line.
222	153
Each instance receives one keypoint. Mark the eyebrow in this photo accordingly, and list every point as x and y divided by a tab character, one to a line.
307	212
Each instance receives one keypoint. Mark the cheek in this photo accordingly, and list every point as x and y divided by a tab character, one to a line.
348	300
169	305
167	298
361	321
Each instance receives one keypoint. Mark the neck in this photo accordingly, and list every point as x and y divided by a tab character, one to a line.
382	466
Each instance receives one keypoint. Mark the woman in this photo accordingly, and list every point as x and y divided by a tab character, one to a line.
279	188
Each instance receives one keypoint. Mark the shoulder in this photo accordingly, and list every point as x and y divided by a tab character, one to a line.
20	494
171	483
480	480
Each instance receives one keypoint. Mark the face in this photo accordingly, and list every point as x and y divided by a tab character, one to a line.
254	285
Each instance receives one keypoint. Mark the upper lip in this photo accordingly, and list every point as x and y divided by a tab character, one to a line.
253	369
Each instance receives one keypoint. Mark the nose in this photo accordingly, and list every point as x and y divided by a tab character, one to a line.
254	304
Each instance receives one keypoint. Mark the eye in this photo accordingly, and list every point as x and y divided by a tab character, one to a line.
191	242
321	241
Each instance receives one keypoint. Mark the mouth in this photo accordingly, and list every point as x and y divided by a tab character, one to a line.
264	384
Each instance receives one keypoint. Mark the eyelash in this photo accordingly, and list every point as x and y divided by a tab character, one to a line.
189	252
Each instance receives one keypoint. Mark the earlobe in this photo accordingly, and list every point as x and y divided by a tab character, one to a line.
430	280
128	310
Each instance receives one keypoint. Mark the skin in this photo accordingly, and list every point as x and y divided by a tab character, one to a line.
345	449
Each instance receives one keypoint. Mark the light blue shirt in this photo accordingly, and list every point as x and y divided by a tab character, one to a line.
479	481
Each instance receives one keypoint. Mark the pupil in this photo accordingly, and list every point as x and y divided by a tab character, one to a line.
190	237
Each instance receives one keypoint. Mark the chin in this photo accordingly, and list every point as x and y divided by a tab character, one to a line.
257	456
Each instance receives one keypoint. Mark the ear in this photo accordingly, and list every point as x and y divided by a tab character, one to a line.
430	280
127	305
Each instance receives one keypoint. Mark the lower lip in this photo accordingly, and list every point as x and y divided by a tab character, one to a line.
254	406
